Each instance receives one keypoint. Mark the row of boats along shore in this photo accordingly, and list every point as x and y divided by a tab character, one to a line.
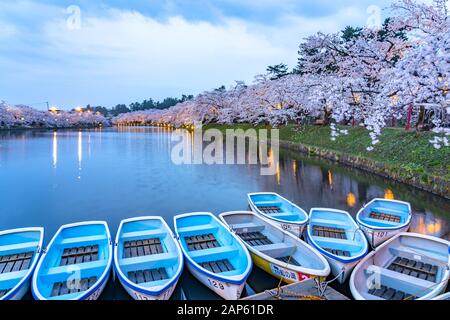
382	260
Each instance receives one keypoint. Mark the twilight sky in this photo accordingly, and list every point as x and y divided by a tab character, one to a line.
121	51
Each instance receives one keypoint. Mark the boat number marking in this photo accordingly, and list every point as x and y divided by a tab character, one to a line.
216	284
288	274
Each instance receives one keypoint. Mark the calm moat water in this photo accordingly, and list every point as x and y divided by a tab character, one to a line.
53	178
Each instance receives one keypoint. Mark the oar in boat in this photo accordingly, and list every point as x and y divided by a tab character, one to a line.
279	210
19	253
276	251
214	255
76	265
147	259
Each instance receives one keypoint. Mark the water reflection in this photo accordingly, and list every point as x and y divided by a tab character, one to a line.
80	153
55	149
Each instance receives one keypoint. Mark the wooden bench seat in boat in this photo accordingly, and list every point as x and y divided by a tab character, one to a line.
276	250
201	242
269	209
15	262
73	286
148	275
428	256
140	248
11	276
389	293
254	238
384	217
290	260
68	269
414	268
79	255
409	283
218	266
329	232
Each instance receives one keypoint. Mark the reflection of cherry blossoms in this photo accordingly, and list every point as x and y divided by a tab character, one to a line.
365	77
26	117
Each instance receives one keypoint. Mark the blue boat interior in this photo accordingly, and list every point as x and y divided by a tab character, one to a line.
212	246
18	251
336	233
147	254
272	242
383	213
75	262
411	268
278	208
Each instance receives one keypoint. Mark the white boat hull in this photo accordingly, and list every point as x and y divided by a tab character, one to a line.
22	291
377	237
226	290
96	294
137	295
343	270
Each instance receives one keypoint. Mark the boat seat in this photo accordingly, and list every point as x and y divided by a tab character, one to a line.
290	260
247	227
414	268
389	294
406	282
15	262
276	250
79	255
269	209
219	266
74	286
12	276
144	234
340	253
148	275
429	256
388	210
379	222
3	292
78	241
330	242
145	260
329	232
140	248
326	222
197	229
384	217
201	242
254	238
18	247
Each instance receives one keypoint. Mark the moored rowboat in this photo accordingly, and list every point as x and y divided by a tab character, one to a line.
336	236
279	210
445	296
76	265
408	266
19	253
382	219
147	259
214	255
276	251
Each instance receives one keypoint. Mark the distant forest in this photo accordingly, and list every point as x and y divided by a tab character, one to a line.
139	106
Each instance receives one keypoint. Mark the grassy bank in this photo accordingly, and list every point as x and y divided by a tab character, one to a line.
404	156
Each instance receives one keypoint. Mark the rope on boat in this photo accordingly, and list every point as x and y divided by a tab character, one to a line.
416	295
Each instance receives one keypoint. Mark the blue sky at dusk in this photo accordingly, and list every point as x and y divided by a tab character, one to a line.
130	50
